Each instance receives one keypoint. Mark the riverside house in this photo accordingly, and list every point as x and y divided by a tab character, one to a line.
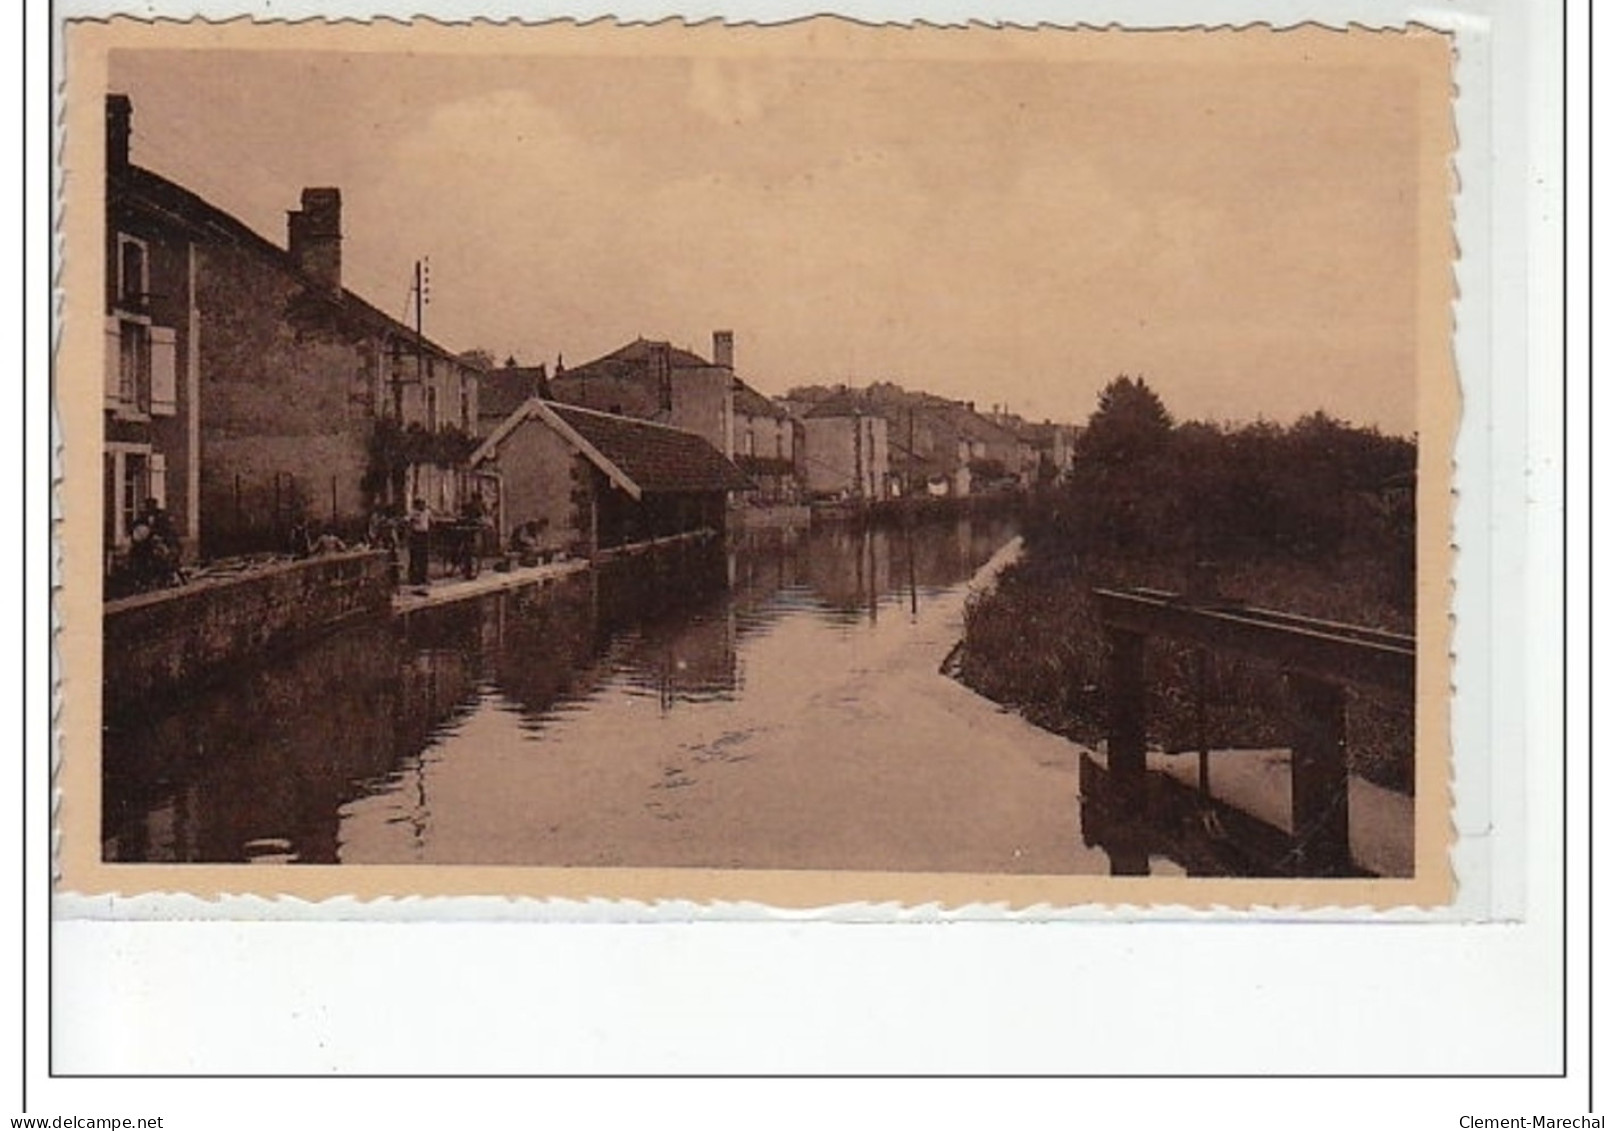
657	381
583	481
246	388
844	450
505	388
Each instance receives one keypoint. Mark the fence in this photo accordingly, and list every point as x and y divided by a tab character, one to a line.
1319	660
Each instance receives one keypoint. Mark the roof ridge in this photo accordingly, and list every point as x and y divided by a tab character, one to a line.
282	254
623	353
623	418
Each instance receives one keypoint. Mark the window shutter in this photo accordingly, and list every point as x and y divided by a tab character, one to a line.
163	361
112	362
157	487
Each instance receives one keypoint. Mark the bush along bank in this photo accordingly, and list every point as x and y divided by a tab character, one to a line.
1314	519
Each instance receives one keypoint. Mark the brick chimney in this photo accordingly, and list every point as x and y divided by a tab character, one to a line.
660	356
723	349
119	112
314	237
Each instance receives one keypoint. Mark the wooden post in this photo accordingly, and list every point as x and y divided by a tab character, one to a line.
1202	734
1109	820
1125	748
1318	801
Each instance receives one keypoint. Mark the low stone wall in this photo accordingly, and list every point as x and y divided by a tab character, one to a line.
154	645
924	508
773	516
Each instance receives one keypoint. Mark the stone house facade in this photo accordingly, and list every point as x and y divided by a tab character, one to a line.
246	388
150	372
583	481
766	440
657	381
845	451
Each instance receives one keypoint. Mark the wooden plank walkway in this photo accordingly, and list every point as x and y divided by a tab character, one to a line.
447	590
444	591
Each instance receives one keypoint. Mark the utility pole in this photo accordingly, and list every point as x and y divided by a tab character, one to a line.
913	456
423	284
858	451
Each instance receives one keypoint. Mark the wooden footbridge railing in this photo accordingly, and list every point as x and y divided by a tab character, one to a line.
1319	660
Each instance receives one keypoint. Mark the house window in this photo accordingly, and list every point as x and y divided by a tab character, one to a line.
396	377
134	365
133	283
132	492
431	408
465	406
132	473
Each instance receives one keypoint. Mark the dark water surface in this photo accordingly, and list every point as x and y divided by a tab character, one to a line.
775	706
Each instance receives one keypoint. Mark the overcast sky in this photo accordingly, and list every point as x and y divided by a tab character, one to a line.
1013	231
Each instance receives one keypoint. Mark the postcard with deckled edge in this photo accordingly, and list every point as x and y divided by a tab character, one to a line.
805	465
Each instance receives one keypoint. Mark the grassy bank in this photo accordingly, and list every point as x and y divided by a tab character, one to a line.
1034	644
1316	518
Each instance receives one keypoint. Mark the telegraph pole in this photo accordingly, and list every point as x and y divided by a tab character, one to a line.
423	285
913	456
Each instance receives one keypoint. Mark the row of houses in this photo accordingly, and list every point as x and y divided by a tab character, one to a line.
884	441
658	382
874	443
246	389
249	393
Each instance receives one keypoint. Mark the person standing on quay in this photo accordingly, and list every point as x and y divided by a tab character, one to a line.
420	541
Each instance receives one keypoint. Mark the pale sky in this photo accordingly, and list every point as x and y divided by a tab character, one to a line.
1010	231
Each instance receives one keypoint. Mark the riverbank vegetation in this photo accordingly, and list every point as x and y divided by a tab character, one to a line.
1315	518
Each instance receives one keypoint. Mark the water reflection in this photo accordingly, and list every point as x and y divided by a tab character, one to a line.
479	732
1153	824
776	705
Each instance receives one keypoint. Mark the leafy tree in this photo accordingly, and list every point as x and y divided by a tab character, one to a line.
1130	423
1124	489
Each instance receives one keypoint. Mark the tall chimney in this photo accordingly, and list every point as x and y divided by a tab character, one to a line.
119	111
314	237
723	349
661	372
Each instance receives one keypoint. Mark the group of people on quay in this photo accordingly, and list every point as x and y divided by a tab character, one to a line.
420	531
154	556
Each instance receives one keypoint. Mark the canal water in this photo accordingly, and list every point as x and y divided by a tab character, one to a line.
775	705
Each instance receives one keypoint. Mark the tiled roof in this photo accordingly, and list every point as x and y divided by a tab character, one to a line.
764	465
141	189
640	457
657	458
502	391
632	360
1045	434
978	426
844	403
749	402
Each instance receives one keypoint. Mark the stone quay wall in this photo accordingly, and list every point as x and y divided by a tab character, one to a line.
156	645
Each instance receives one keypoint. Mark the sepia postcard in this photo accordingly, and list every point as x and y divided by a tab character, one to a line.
802	465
